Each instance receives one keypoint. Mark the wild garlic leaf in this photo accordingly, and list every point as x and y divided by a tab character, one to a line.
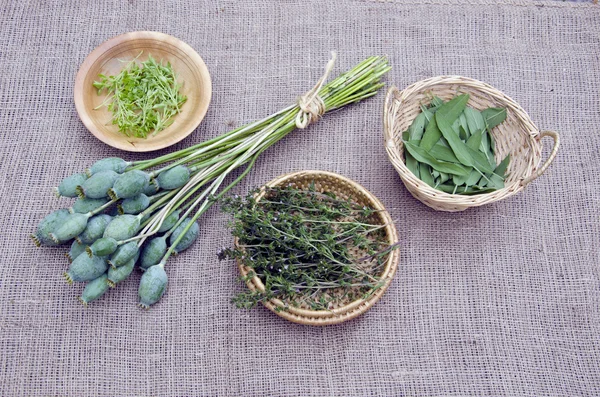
426	176
451	110
475	120
431	136
494	117
412	164
502	167
475	140
444	153
423	156
458	147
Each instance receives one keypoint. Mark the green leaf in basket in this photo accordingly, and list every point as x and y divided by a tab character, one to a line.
475	120
501	168
417	128
423	156
405	135
426	176
493	117
480	161
473	178
444	153
459	148
444	177
475	140
451	110
412	164
464	130
431	136
459	180
436	102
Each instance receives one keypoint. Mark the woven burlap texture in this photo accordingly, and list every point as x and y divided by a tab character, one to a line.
501	300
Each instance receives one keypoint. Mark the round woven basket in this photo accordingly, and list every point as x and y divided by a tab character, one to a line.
518	135
346	189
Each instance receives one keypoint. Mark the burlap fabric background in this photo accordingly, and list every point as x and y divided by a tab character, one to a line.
496	301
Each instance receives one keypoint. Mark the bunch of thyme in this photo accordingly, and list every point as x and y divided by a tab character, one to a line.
311	250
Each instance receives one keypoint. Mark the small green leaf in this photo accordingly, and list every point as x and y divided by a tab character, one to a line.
475	140
501	168
458	147
475	120
465	126
431	136
444	153
412	164
451	110
494	117
426	176
436	102
417	128
423	156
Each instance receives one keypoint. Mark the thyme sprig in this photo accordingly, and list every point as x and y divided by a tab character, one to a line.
310	249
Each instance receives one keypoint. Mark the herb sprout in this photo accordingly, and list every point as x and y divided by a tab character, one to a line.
311	250
142	98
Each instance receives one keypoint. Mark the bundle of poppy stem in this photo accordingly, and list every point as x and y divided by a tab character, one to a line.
181	187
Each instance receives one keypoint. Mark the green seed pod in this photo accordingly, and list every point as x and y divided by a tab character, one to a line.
69	184
129	184
122	227
102	247
71	227
173	178
151	188
108	164
97	185
169	221
188	238
94	289
85	268
94	229
153	252
85	205
76	249
152	286
118	274
47	226
134	205
124	254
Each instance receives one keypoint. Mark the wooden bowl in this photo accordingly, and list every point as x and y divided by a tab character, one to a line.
347	189
108	59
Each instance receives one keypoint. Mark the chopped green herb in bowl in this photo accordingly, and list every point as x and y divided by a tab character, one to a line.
143	98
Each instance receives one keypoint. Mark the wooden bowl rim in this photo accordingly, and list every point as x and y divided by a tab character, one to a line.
354	308
99	51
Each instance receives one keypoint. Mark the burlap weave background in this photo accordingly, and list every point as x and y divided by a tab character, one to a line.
502	300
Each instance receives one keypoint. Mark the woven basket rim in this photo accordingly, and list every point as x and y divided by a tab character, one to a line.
352	309
443	199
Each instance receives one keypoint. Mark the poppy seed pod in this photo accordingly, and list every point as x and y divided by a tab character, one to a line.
85	268
129	184
124	254
188	238
47	226
115	164
152	286
102	247
68	186
122	227
134	205
94	229
85	205
94	289
153	252
118	274
169	221
76	249
173	178
71	227
97	185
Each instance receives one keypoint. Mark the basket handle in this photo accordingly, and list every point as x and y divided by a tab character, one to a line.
544	167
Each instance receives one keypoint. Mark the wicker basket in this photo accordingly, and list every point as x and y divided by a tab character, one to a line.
518	136
347	189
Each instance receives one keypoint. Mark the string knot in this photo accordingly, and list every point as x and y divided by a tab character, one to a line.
311	104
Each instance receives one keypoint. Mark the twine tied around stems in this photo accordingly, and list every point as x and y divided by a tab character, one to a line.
311	105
